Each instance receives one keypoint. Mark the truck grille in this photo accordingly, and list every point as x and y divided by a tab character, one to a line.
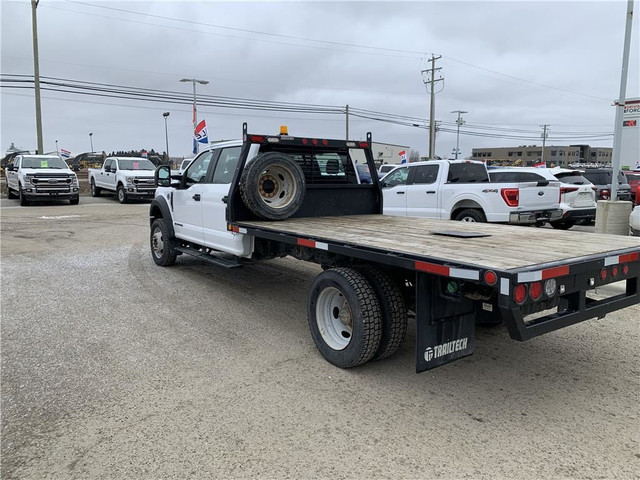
145	184
52	183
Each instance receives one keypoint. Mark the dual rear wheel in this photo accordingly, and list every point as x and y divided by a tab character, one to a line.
356	315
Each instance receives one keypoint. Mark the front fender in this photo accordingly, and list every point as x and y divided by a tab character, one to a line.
160	208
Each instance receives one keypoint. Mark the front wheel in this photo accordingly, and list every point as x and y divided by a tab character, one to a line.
471	215
121	194
23	200
344	317
163	244
74	201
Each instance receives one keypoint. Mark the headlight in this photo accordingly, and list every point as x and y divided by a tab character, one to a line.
74	180
27	179
129	179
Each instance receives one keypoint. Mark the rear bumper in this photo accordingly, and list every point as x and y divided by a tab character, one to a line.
535	216
580	214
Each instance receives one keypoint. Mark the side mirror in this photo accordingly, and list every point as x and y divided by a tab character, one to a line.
162	176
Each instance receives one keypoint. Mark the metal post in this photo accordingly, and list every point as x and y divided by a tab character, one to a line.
432	126
36	74
57	151
617	134
544	140
91	140
347	112
166	132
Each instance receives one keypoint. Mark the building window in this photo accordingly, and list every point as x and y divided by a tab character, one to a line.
510	154
519	154
553	153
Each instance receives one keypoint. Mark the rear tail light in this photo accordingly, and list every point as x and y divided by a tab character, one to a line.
535	291
511	196
625	269
603	274
520	293
564	190
605	194
614	272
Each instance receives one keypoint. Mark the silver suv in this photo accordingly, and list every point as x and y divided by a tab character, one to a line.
601	178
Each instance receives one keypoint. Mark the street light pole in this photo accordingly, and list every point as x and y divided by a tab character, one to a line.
459	122
91	140
195	115
166	132
57	151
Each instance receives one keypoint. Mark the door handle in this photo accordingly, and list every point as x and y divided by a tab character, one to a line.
196	197
400	193
225	199
431	191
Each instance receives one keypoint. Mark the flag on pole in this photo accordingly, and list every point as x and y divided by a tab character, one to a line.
403	156
201	132
65	153
540	165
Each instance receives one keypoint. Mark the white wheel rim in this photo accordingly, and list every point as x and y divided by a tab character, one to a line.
120	194
334	318
468	219
277	186
157	244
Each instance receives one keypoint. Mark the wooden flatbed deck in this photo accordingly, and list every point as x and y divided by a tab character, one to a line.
504	248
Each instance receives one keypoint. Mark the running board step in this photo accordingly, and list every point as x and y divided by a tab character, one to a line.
216	260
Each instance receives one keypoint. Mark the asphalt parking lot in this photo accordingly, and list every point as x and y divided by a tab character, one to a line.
115	368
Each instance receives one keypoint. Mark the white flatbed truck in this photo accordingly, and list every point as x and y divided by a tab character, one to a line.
377	268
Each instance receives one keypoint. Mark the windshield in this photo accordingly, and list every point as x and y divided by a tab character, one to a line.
136	164
43	162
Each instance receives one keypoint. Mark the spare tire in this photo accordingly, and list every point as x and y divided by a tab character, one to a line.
272	186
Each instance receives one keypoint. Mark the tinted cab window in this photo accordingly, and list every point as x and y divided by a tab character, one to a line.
467	173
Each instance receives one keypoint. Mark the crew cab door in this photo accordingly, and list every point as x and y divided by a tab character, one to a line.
187	201
422	192
12	175
394	192
214	205
107	177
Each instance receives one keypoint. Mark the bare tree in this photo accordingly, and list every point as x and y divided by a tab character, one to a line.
414	156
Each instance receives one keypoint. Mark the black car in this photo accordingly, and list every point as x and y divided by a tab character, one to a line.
601	178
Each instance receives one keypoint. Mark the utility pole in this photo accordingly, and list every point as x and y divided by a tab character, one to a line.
36	74
431	80
347	112
459	122
544	139
166	133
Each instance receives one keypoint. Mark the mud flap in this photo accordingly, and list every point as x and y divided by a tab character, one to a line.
445	323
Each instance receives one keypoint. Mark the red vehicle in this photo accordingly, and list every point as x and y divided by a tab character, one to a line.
633	178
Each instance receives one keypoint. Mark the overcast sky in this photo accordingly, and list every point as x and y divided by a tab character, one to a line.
512	66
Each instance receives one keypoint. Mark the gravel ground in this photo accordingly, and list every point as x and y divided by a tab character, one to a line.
114	368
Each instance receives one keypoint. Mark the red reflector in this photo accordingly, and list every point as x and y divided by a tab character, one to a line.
314	141
614	271
306	243
535	290
325	142
432	268
603	274
511	196
629	257
625	269
305	141
363	144
257	139
520	293
490	278
555	272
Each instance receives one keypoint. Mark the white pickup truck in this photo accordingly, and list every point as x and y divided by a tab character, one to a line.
461	190
128	177
41	178
270	196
